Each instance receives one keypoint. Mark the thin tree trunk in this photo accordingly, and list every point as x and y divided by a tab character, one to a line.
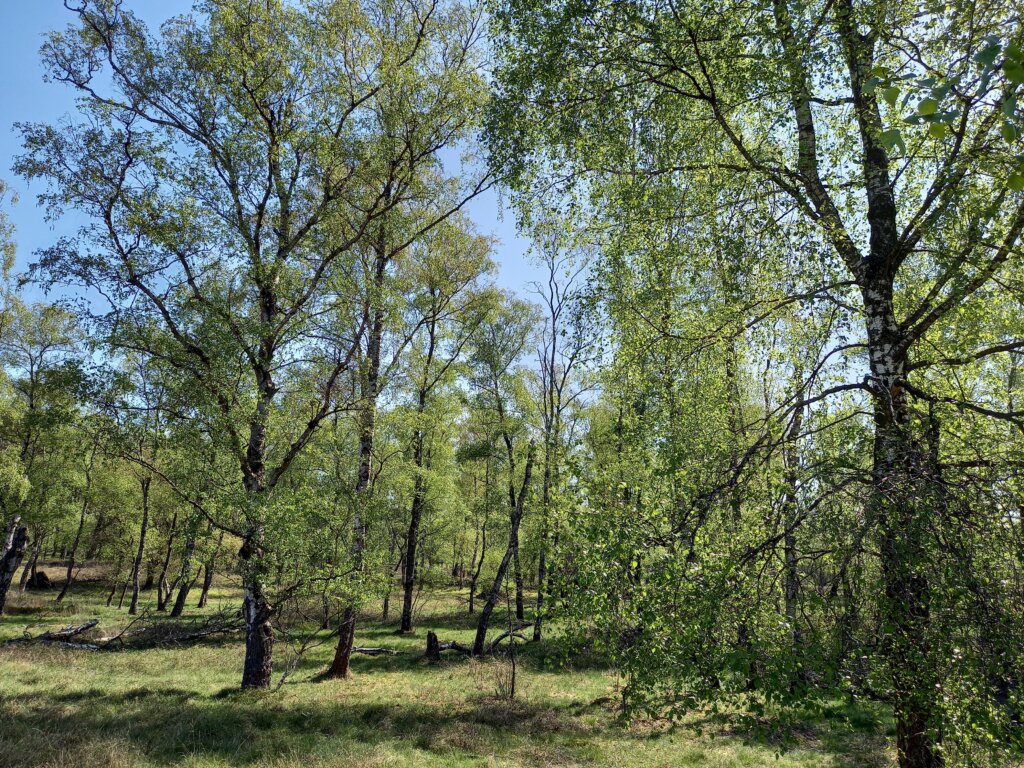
790	512
411	539
542	556
114	581
518	574
133	606
516	510
163	592
124	591
208	567
185	578
368	415
70	574
479	566
30	567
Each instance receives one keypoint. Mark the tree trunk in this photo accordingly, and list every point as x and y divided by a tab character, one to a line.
70	573
499	578
902	521
479	563
368	416
162	590
204	595
14	550
790	512
259	631
411	539
542	556
133	606
185	578
124	591
69	577
518	574
30	567
346	639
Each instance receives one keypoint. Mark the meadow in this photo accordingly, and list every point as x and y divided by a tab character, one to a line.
180	706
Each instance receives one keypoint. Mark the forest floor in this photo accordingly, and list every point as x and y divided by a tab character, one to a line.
181	707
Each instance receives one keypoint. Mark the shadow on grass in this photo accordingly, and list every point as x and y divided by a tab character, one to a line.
167	724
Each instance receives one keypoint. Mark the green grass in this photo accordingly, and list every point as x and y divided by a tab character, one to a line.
180	707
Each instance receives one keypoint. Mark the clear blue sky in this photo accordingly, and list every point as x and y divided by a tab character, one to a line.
24	97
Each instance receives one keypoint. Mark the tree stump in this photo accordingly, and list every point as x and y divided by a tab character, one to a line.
39	580
433	648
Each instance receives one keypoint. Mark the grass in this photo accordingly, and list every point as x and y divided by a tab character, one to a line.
181	707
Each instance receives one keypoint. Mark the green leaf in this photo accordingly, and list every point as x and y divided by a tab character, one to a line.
1014	71
1016	182
1009	132
1010	105
892	139
937	130
890	95
927	106
987	55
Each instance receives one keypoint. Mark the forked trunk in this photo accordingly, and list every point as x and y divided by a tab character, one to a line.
499	578
162	590
185	579
30	567
204	595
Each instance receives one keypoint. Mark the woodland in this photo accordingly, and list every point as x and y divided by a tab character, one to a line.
287	479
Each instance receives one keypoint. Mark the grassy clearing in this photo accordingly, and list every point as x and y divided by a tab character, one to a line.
180	707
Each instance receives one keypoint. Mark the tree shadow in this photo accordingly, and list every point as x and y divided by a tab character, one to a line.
168	724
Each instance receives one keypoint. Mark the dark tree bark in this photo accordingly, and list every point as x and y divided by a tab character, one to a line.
411	540
30	567
259	629
516	509
367	425
419	489
14	550
144	484
185	580
433	649
208	567
69	575
482	534
163	590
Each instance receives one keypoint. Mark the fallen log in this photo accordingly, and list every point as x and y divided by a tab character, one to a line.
61	637
69	631
161	633
375	651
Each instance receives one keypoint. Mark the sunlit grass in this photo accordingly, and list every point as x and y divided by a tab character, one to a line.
180	706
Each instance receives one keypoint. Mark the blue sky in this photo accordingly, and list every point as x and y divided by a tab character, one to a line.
24	97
